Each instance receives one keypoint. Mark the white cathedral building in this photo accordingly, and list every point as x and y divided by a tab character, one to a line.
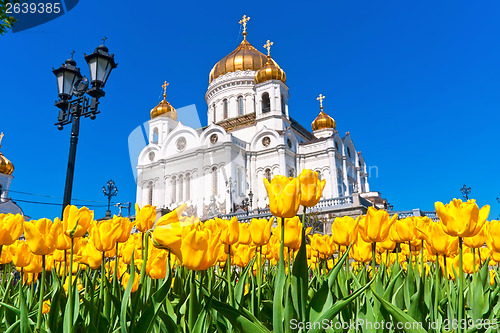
250	135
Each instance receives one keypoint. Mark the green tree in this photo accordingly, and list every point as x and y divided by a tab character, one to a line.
6	20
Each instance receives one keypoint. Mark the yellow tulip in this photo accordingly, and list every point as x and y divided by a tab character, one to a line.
479	239
76	221
245	237
422	224
311	188
73	280
230	230
145	217
125	227
440	242
11	228
104	234
63	241
361	251
170	236
284	196
29	278
260	230
46	306
21	254
172	217
6	256
387	245
199	249
35	265
375	226
493	241
243	254
493	274
467	263
91	256
462	219
449	274
403	231
135	284
345	230
156	266
293	232
41	235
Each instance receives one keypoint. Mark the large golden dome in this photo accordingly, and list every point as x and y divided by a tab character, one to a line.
164	108
244	57
323	120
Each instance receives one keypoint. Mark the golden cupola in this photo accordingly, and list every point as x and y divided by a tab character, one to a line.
271	70
322	121
6	166
164	108
244	57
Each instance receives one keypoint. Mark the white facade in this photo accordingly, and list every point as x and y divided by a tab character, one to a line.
250	135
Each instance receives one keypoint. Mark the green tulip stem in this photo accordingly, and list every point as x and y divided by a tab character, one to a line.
40	302
374	246
115	272
70	284
460	286
474	260
259	280
103	277
193	295
65	264
436	289
145	249
422	258
228	276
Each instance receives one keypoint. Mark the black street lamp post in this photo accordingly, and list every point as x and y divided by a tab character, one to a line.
71	83
110	190
250	196
465	192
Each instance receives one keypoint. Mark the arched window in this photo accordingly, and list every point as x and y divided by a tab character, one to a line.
225	109
214	111
188	187
174	185
181	188
240	105
215	181
319	174
150	193
268	174
283	105
348	152
1	191
336	145
266	103
155	135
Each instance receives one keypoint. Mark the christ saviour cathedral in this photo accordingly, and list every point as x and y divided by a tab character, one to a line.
251	134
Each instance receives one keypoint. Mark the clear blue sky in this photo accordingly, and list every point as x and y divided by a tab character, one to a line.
415	83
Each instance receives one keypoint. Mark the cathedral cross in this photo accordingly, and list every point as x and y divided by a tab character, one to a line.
104	40
72	53
164	86
320	99
268	47
1	137
243	22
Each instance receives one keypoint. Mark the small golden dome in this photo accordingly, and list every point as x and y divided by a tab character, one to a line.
6	166
271	71
323	121
164	107
244	57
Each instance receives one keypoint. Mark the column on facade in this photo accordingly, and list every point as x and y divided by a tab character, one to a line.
232	107
344	174
358	176
333	173
282	160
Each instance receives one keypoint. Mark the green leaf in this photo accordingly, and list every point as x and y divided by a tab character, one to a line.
399	315
126	296
333	311
238	319
24	320
299	280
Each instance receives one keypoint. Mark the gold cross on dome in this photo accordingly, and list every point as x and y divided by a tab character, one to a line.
268	47
320	99
164	86
1	137
243	22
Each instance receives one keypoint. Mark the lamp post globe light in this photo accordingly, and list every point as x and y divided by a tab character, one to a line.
70	83
110	190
